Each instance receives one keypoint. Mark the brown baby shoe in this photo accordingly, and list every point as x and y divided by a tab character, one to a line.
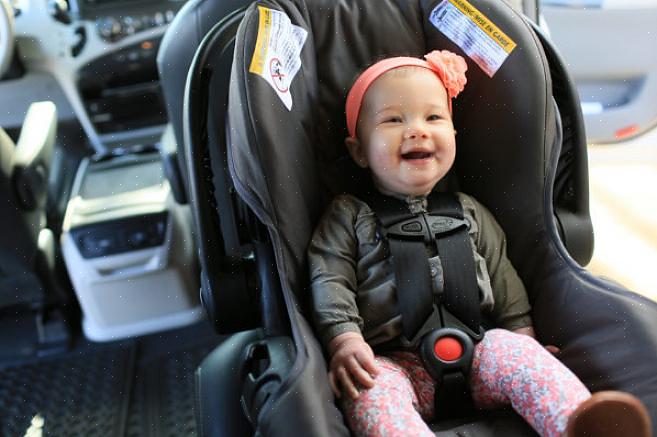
610	414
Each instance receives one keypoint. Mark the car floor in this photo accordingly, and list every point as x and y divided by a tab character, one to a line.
137	387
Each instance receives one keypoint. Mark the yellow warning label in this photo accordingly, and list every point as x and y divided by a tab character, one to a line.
262	41
484	24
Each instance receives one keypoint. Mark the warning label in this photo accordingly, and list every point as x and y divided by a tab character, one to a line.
471	30
277	52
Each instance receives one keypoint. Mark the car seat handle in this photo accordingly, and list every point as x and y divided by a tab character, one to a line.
266	363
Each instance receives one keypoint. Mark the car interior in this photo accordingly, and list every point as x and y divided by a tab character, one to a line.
99	304
158	199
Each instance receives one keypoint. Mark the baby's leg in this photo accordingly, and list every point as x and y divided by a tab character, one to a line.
402	395
516	369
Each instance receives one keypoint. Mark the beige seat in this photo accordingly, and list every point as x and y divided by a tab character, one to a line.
26	245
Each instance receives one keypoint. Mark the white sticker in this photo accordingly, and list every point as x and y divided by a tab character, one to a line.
277	52
474	33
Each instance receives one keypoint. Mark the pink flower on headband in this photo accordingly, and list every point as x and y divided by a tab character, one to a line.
451	69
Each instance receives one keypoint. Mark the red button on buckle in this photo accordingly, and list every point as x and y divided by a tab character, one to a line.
448	349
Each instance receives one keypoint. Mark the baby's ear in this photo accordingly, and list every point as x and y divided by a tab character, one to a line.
357	151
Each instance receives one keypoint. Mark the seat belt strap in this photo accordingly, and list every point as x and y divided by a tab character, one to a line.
407	235
409	257
461	296
414	291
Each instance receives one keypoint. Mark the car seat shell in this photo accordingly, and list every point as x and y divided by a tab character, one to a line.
281	161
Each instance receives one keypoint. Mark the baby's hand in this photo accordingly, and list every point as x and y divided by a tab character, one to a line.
352	363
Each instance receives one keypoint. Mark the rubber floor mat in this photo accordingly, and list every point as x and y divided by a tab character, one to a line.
82	393
164	396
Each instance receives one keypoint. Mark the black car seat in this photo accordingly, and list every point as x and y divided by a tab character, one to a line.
521	151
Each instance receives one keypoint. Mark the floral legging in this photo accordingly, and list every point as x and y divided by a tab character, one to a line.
507	368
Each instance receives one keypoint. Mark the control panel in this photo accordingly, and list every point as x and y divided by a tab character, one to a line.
119	236
116	19
113	28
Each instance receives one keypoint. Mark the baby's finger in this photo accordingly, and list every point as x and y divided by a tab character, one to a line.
360	374
333	384
368	363
347	384
554	350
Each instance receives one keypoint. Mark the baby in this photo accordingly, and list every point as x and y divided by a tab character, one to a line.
400	128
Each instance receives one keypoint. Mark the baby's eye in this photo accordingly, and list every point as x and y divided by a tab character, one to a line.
393	119
434	117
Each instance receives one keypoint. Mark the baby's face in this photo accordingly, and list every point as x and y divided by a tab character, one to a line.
405	131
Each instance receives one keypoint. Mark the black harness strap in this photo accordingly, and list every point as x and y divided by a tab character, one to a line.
411	264
461	297
408	234
414	296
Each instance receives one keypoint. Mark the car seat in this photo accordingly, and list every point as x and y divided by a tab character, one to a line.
262	170
32	301
26	245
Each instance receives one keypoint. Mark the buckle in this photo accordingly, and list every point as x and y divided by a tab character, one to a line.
440	224
446	350
415	228
451	321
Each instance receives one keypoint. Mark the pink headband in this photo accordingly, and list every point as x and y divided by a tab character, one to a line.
449	67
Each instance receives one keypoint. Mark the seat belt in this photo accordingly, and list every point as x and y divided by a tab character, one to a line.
409	256
461	296
408	235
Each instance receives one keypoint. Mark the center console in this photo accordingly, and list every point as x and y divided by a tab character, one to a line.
128	249
120	90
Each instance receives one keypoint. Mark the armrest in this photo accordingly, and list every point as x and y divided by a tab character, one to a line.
33	155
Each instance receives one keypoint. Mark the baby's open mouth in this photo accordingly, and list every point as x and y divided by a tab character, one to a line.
416	155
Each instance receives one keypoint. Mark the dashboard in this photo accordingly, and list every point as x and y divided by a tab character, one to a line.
96	59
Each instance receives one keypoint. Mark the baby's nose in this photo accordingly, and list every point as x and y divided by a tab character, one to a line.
416	131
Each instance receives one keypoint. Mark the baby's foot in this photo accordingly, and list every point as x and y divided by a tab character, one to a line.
610	414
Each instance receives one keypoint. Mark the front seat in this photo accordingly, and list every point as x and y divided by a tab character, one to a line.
26	245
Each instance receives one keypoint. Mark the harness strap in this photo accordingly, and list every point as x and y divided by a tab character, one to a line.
409	256
461	297
408	234
414	291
